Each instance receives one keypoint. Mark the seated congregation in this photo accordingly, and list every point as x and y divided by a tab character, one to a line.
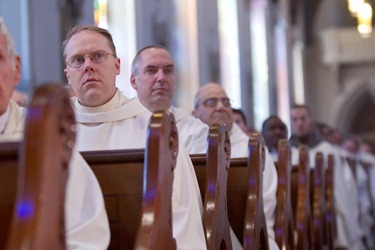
101	171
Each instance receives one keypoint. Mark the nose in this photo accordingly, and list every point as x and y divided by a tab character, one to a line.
160	75
88	65
220	105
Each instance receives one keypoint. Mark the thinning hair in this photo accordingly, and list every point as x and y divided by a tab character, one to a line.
76	29
302	106
137	58
8	38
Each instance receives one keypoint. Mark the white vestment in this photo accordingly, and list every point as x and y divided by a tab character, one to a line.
119	124
86	222
345	193
365	199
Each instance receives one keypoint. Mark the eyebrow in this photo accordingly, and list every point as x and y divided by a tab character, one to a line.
153	66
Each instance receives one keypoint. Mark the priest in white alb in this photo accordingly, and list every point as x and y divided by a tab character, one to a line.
108	120
86	222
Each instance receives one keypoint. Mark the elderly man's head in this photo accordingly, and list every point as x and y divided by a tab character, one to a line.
212	105
10	67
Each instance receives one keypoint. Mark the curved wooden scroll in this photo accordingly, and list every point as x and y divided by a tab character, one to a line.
317	198
215	218
155	231
255	229
330	216
301	186
284	221
38	219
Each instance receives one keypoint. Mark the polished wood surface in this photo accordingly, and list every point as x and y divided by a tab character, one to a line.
42	162
284	219
255	228
121	177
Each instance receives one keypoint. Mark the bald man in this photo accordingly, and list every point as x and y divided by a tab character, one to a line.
212	105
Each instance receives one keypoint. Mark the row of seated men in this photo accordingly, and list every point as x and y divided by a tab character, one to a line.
107	119
357	167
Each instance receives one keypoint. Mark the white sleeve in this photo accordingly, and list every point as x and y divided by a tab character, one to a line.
186	205
86	221
269	198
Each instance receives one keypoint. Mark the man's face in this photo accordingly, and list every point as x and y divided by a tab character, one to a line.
10	74
214	106
237	118
301	121
274	130
154	79
93	83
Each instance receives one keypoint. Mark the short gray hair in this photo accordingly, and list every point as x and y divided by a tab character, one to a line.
137	58
8	38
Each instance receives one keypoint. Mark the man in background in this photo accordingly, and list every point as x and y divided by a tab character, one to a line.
273	130
212	105
304	132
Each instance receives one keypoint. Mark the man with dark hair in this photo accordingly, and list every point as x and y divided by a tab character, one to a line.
273	130
305	132
240	119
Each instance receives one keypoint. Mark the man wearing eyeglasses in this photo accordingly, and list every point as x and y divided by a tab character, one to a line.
213	105
86	220
107	119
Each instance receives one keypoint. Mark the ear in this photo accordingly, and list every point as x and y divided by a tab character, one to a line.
118	66
194	113
132	81
67	75
18	69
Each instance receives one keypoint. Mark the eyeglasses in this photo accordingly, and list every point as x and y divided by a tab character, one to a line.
97	57
212	102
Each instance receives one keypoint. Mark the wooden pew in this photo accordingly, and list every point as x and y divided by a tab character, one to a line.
284	219
37	202
121	174
240	172
215	219
301	200
330	215
255	228
317	199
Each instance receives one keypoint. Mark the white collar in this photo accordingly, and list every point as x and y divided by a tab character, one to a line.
4	119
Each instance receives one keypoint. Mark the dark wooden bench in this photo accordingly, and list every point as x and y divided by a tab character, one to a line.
301	200
330	215
244	194
121	176
284	218
317	199
36	203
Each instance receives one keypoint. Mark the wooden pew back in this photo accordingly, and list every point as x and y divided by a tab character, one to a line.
121	173
255	229
330	216
284	219
215	219
239	174
301	200
38	210
317	199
